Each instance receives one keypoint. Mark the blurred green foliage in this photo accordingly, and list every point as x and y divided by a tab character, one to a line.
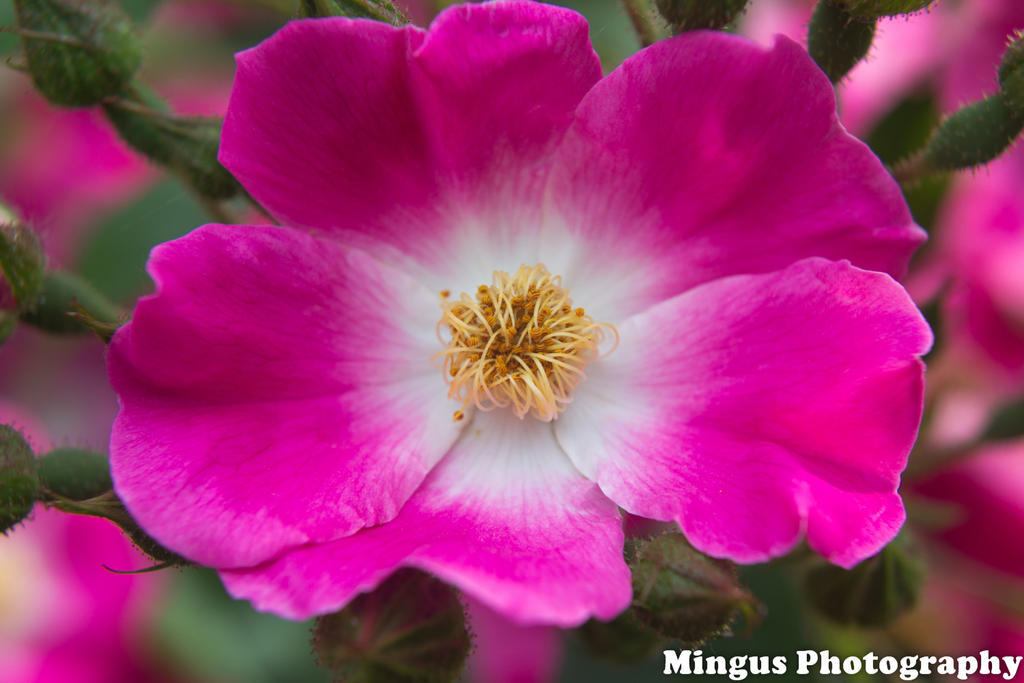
207	636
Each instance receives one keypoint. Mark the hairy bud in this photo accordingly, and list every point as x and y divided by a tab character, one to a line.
688	15
78	51
873	9
837	40
380	10
411	628
683	594
19	485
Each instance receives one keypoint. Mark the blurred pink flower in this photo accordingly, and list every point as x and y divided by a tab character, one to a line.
63	617
506	652
980	230
280	416
943	46
975	559
60	167
983	491
955	618
981	247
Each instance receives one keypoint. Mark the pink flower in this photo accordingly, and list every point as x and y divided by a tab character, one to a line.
284	414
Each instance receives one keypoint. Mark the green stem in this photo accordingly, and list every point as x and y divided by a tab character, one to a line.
642	17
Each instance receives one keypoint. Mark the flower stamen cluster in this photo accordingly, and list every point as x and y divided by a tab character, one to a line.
519	342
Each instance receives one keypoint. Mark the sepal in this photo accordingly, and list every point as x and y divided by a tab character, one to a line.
412	628
379	10
875	592
683	594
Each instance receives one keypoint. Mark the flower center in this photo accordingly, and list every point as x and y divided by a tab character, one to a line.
518	342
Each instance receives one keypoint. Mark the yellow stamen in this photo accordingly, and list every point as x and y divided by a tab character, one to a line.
519	343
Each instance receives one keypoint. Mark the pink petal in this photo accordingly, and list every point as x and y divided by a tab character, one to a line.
407	139
505	517
276	390
707	155
756	407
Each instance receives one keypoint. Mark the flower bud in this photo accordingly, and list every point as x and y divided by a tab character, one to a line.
380	10
683	594
186	145
61	302
688	15
21	267
873	9
78	51
837	40
74	473
411	628
19	485
21	274
1011	74
873	593
973	135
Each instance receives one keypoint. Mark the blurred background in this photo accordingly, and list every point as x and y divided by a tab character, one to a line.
99	207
